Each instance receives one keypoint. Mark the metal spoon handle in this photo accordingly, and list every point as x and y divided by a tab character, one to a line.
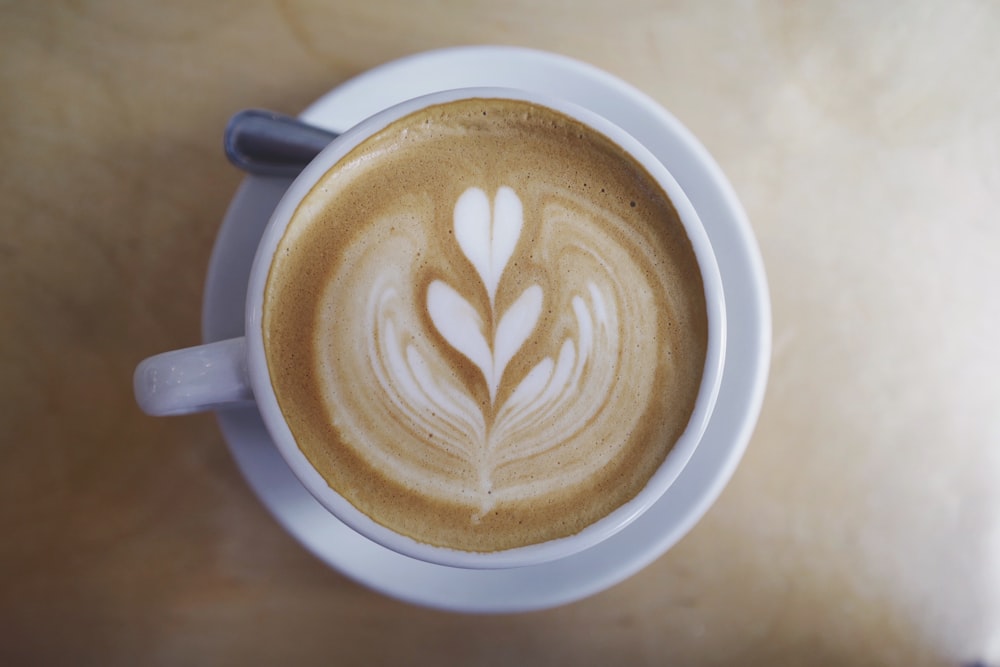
272	144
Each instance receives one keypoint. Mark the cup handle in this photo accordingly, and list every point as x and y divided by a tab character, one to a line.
195	379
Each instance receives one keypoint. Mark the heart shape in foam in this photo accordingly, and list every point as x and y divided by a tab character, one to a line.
488	239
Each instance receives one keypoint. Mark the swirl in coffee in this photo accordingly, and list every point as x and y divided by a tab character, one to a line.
485	325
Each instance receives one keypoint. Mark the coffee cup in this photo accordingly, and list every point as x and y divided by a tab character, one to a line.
484	328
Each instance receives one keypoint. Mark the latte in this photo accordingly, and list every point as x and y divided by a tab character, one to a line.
485	326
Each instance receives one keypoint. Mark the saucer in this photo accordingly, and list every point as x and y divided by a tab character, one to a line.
744	377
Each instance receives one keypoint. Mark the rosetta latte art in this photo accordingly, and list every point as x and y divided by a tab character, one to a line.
548	407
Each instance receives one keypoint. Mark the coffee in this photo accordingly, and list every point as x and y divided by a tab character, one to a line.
485	326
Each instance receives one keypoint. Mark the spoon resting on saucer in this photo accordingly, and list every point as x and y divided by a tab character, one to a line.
267	143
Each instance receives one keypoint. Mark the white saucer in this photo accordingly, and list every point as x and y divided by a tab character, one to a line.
749	340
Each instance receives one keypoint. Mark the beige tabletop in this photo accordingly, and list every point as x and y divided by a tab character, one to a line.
863	526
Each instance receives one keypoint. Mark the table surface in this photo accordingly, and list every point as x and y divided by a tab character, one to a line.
863	526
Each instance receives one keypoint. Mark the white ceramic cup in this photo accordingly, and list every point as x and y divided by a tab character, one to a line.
234	372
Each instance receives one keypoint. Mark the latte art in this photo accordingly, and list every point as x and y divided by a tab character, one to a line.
488	240
485	326
544	411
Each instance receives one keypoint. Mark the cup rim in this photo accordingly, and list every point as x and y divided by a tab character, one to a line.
531	554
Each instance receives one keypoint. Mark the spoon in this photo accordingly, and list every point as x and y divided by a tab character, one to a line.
267	143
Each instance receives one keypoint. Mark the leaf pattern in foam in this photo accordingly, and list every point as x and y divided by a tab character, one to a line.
513	331
547	407
460	324
454	409
552	389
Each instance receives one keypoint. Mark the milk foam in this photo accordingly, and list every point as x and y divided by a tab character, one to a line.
482	343
488	241
488	238
550	393
546	410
